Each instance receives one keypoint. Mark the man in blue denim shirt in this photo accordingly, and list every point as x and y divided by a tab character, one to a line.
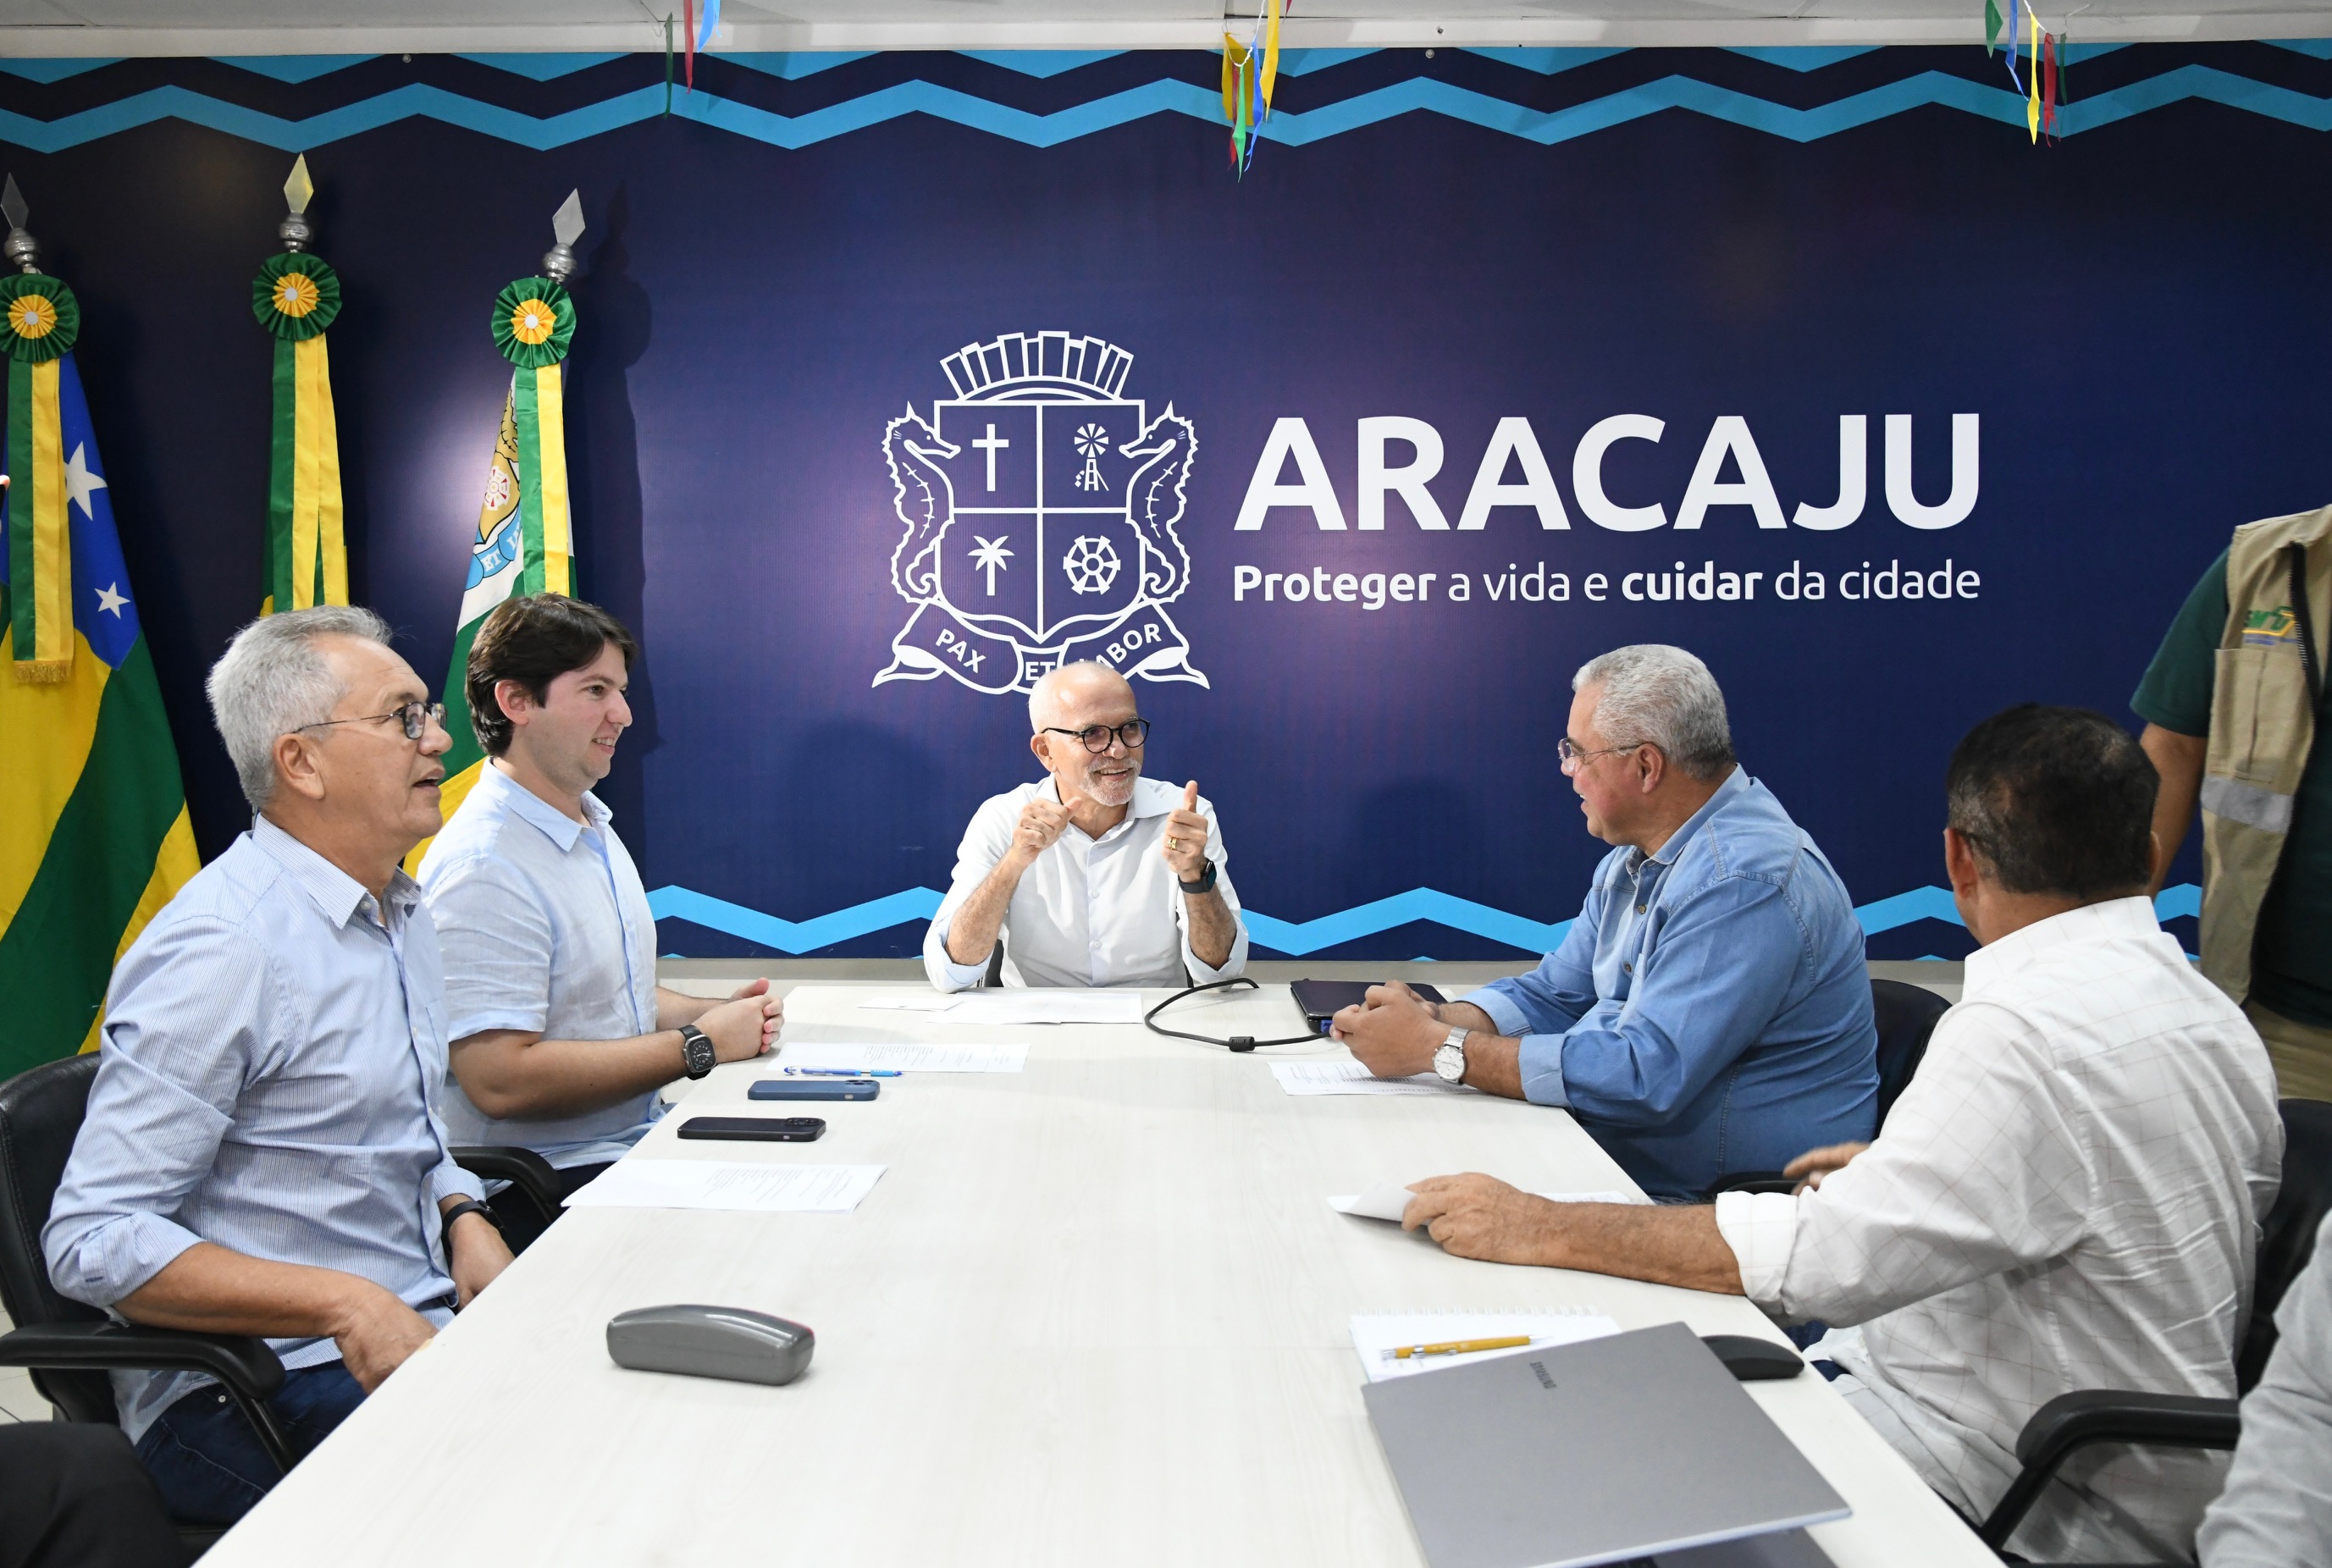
1708	1012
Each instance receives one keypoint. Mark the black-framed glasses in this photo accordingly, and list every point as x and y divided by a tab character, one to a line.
1097	737
1573	758
416	718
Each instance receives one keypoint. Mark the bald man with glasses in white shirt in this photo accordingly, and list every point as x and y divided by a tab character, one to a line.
1093	875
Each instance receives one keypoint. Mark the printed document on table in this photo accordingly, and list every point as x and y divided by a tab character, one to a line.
1376	1335
634	1183
1352	1078
911	1002
1016	1005
901	1056
1391	1202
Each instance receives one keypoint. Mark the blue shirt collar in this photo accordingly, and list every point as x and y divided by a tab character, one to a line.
528	806
334	891
1735	784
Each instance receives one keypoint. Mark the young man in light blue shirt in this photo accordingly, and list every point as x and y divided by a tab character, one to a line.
562	1038
1708	1013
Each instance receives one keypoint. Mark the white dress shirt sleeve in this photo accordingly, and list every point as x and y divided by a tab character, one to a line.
2276	1509
193	1017
496	943
985	840
1235	963
1977	1172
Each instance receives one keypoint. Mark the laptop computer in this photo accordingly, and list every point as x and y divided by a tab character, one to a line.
1322	1000
1625	1447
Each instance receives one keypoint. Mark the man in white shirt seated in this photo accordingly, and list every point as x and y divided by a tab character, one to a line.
2068	1196
562	1036
2276	1509
1095	875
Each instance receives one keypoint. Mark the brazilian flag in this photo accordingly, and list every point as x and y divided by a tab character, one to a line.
94	839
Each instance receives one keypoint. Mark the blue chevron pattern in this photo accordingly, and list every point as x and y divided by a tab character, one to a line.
1295	938
1419	94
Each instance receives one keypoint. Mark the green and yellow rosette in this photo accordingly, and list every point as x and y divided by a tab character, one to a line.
533	323
39	320
295	297
41	316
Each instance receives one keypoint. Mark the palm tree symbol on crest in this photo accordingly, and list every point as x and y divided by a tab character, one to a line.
1091	441
991	556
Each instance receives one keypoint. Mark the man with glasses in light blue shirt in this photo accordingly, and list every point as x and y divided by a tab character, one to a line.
1708	1013
260	1153
562	1038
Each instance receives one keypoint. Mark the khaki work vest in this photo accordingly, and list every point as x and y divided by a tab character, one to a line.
2262	724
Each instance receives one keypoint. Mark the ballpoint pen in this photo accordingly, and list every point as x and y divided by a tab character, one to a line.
846	1072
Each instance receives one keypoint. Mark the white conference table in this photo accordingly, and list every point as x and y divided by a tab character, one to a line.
1094	1313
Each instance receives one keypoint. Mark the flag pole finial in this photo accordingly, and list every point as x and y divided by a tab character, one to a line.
299	190
566	228
23	251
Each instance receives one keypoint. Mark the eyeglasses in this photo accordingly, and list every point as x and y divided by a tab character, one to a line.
416	718
1096	737
1574	759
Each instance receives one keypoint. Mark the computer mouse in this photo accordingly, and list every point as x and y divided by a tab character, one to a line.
1753	1359
711	1342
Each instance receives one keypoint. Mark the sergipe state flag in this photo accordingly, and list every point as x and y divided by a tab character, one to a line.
94	839
525	543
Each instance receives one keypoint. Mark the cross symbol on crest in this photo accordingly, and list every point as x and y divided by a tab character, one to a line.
991	443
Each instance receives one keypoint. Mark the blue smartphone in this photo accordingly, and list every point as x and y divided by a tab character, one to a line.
814	1089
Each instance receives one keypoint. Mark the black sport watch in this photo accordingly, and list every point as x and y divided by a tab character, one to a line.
697	1052
1205	884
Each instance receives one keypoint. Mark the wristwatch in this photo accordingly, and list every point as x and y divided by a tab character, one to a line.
1450	1058
696	1051
1206	883
467	1206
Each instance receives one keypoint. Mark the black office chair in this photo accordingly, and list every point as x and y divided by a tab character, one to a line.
1905	1016
2071	1422
69	1347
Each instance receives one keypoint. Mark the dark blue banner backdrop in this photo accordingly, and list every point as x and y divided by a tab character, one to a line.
900	377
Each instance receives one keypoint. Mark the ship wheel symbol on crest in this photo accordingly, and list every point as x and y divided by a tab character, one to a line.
1091	441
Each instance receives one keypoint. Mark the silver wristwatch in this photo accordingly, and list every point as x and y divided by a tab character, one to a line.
1450	1058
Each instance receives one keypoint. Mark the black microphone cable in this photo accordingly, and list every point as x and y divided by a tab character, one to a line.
1241	1044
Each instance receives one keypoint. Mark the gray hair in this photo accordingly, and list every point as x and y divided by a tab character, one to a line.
1663	696
1045	694
272	679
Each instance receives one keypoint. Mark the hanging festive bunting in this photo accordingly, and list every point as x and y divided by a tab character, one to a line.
525	543
1250	74
1991	20
295	297
688	41
2032	104
2048	52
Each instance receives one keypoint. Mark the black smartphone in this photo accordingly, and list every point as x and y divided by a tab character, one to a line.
756	1129
814	1089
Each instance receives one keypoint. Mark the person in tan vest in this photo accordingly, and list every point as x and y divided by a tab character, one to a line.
2231	704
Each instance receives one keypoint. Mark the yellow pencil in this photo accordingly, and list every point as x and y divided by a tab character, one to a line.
1463	1346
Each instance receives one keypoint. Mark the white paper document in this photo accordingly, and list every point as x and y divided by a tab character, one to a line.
901	1057
1352	1078
911	1002
1014	1005
720	1184
1376	1335
1391	1202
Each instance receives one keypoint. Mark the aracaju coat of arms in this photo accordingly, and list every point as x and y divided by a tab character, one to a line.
1040	507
